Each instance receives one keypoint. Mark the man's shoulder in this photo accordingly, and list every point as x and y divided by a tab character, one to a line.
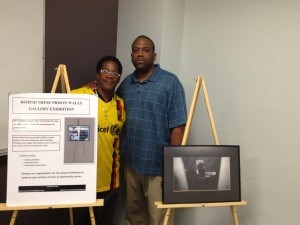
165	73
168	78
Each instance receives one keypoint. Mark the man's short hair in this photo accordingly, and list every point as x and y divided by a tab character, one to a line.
145	37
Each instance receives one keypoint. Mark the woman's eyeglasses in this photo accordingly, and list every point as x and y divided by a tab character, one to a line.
107	72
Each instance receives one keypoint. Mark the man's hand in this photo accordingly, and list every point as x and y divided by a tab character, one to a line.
177	135
92	85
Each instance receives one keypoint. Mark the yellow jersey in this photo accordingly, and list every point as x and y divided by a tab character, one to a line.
111	118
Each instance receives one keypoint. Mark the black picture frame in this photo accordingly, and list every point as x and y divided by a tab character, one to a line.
201	174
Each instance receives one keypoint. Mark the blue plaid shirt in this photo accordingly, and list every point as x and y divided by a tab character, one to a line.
153	107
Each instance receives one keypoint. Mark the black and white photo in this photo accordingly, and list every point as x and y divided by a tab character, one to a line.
196	174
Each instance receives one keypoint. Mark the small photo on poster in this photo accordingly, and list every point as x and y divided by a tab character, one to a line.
79	143
78	133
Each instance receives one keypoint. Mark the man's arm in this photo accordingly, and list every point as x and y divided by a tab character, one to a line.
177	135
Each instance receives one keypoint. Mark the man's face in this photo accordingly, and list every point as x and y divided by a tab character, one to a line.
142	55
107	77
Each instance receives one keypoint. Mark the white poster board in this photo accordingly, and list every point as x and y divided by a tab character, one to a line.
52	149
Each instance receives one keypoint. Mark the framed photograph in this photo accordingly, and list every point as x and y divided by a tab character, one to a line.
201	174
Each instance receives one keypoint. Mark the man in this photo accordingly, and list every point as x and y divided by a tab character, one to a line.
156	116
111	118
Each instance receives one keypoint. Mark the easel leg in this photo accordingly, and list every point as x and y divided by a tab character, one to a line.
234	214
167	216
13	217
92	216
71	216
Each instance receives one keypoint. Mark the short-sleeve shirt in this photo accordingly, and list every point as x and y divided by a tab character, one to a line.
153	108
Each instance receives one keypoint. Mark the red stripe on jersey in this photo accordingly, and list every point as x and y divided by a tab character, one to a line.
119	110
113	182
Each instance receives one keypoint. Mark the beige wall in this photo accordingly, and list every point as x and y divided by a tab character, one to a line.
249	53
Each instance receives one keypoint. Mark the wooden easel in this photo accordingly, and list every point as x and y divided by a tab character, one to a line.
200	82
65	88
61	72
16	209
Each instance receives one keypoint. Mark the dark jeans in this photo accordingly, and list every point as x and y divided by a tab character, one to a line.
103	214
